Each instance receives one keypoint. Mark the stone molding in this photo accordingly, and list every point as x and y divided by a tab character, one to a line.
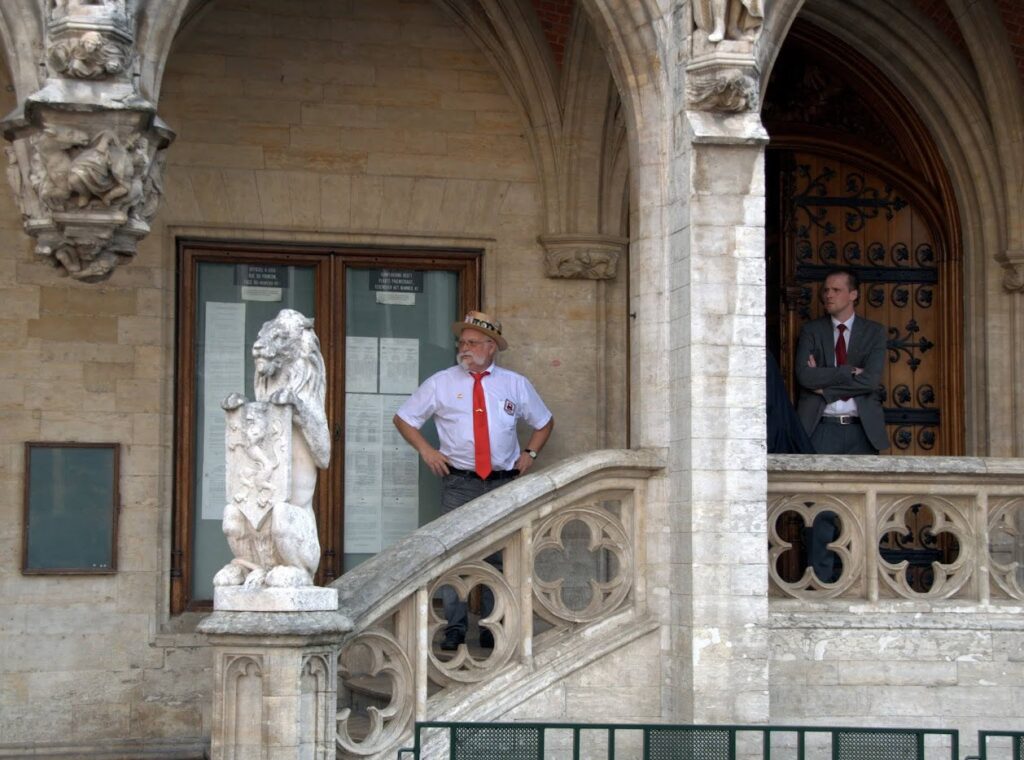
582	257
88	151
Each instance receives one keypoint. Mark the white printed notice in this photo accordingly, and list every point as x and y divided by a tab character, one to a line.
400	494
400	465
223	373
399	365
360	365
362	499
381	475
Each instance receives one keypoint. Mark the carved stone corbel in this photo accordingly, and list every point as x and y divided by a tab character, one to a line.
1013	272
582	257
722	73
87	150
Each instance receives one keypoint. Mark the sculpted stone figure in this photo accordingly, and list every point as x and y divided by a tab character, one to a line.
103	170
728	19
51	163
89	56
269	520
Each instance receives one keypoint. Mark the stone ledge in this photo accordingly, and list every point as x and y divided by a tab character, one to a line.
844	465
275	624
896	615
302	599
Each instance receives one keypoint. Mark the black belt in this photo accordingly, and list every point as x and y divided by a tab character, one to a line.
495	474
841	419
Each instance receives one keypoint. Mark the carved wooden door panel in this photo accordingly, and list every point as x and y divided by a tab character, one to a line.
838	213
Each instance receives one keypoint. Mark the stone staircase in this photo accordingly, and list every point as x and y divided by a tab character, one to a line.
570	594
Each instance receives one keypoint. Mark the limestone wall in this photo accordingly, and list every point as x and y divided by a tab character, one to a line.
960	668
343	123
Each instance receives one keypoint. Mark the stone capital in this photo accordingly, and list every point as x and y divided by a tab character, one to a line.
580	256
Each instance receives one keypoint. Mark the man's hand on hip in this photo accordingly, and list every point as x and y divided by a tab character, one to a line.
436	461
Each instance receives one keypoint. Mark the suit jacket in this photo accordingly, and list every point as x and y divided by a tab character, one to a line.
866	349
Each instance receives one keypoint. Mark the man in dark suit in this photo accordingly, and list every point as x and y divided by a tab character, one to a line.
839	361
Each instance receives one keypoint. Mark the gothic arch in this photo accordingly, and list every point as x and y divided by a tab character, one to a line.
945	91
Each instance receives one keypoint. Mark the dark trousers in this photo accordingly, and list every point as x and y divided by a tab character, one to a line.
829	437
456	490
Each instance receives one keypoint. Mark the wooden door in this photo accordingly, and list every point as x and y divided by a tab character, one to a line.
837	211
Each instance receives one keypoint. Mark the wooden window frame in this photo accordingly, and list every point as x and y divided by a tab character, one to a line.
330	264
115	508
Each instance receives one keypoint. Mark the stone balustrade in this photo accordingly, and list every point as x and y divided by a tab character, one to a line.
907	528
570	555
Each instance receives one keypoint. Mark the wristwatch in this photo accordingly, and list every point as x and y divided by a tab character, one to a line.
531	452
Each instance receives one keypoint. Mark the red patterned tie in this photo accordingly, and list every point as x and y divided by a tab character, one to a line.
481	436
841	346
841	350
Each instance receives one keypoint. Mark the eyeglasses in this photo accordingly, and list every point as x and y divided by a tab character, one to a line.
471	343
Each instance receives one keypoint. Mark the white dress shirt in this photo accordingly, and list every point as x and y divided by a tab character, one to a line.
447	396
840	407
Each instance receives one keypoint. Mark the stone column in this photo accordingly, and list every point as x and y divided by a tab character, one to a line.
718	431
275	684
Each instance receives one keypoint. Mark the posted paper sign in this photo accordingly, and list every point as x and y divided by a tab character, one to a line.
223	373
381	475
399	365
360	365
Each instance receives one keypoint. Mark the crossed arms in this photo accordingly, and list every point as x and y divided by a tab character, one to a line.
839	382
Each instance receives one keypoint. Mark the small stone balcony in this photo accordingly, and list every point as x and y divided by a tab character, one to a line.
906	528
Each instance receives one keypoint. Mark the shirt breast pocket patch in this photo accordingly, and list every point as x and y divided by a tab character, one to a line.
510	408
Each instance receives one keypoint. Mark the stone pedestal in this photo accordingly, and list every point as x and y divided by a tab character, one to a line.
275	684
302	599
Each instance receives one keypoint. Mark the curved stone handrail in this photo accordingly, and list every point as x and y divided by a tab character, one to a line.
409	563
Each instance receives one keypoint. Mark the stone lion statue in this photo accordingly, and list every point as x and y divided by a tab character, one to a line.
283	551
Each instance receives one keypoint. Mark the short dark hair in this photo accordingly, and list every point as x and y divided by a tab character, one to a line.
851	276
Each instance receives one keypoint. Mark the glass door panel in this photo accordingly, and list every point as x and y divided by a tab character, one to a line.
397	334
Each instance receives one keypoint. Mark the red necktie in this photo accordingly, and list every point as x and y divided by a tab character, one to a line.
841	350
481	436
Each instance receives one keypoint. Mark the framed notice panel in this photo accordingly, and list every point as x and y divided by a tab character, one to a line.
71	506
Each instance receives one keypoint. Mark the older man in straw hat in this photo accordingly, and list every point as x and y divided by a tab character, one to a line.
475	405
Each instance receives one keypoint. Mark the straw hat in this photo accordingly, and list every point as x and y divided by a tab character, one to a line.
478	320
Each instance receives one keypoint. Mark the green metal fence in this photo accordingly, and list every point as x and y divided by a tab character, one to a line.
1015	750
601	741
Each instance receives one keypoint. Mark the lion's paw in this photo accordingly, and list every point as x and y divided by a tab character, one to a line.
229	575
288	576
283	396
256	579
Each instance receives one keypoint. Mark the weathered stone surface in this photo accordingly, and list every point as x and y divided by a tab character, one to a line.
235	599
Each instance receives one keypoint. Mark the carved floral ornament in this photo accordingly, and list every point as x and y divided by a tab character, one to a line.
87	151
582	257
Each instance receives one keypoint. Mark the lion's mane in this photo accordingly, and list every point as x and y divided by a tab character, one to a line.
296	349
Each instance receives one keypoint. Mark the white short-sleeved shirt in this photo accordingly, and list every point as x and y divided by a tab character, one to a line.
839	406
447	396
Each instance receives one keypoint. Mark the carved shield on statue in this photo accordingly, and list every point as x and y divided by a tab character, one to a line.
259	458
